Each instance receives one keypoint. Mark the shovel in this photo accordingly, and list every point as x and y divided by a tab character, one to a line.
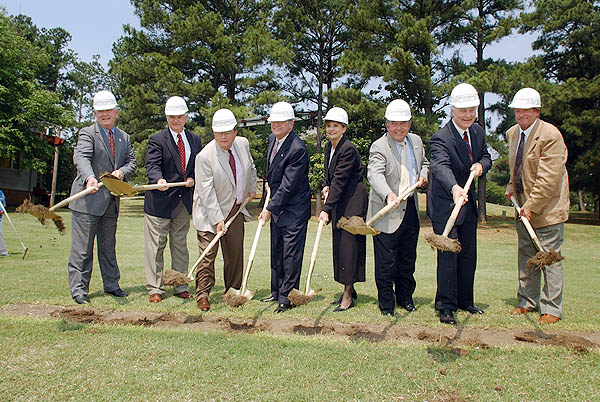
237	297
214	241
356	225
542	257
443	242
296	297
42	213
120	188
15	229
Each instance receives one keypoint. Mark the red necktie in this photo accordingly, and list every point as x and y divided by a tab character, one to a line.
181	149
111	142
232	165
466	138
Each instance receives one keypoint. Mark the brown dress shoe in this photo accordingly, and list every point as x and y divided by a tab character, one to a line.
155	298
203	304
548	319
520	311
184	295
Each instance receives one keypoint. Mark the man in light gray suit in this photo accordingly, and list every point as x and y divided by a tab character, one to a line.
225	176
101	147
396	161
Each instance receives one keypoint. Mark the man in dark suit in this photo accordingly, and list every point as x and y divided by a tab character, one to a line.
287	177
457	149
101	147
171	158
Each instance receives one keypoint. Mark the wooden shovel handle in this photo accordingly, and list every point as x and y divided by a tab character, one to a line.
536	241
147	187
75	197
261	223
457	206
215	240
313	256
389	207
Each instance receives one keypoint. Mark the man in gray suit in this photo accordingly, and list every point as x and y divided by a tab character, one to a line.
225	176
101	147
396	161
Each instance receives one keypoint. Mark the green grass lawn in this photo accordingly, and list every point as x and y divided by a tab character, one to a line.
58	360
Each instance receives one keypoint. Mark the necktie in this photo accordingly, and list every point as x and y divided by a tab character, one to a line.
469	150
232	165
111	142
181	149
273	152
519	165
404	174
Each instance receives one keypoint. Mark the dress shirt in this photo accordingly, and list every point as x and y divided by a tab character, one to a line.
527	132
188	148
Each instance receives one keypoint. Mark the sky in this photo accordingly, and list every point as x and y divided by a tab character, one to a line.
96	24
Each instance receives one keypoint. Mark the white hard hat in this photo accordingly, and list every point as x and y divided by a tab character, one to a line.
398	110
281	111
464	95
223	120
526	98
175	106
337	114
104	100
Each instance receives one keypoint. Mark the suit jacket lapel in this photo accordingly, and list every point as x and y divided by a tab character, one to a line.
282	150
331	165
223	157
172	147
532	138
102	137
461	146
394	150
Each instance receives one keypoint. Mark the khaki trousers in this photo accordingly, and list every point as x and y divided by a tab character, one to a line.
550	299
233	258
155	232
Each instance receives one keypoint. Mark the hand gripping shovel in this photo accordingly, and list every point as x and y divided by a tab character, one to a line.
542	257
443	242
237	297
15	230
42	213
356	225
214	241
296	297
120	188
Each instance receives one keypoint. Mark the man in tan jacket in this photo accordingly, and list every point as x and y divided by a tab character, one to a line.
539	181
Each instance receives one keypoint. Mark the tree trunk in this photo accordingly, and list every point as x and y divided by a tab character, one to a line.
580	198
481	210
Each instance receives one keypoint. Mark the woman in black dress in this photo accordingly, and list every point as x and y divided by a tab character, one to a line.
346	196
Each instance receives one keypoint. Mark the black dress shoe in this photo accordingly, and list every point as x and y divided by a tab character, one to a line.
339	299
81	299
473	310
117	293
408	306
447	317
342	308
386	312
283	307
268	299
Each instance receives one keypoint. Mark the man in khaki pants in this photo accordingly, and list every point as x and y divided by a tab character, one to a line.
225	176
170	158
539	181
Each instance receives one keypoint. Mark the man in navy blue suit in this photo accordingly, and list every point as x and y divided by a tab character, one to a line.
457	149
171	158
287	177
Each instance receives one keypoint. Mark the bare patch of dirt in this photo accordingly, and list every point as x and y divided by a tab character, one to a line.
573	342
446	341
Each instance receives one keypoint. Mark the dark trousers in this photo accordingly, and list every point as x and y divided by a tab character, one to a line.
456	271
395	256
84	229
287	250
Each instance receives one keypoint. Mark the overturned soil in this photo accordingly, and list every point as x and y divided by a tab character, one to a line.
452	337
